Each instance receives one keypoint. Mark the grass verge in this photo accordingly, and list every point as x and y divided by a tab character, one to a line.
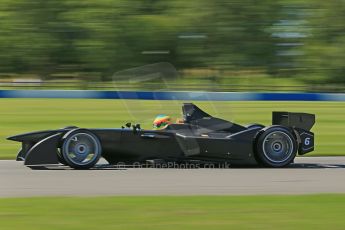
205	212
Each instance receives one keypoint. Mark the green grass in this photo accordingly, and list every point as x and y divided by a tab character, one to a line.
198	212
24	115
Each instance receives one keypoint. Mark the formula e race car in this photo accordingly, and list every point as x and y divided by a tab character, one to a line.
199	138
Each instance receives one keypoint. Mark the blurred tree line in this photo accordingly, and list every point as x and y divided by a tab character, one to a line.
93	39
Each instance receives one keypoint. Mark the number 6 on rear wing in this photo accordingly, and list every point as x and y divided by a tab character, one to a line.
301	123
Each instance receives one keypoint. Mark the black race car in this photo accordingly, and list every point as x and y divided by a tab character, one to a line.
199	138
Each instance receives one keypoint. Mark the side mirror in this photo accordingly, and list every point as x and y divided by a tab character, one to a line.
136	127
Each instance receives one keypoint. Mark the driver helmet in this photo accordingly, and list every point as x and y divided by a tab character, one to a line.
161	121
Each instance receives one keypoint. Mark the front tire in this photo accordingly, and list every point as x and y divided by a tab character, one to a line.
276	147
60	158
81	149
254	126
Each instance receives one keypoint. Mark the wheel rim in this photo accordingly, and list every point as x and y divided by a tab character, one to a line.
81	148
278	147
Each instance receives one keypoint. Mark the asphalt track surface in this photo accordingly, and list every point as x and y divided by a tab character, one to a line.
308	175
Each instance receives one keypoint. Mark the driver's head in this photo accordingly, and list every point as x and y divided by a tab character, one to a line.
161	121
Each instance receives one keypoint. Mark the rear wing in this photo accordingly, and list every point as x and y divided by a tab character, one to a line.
296	120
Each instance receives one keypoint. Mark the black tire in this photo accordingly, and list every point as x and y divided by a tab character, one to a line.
60	157
276	147
70	127
253	126
81	149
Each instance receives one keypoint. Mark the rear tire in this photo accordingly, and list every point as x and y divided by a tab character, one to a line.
276	147
81	149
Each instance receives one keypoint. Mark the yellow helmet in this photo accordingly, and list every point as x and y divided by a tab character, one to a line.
161	121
